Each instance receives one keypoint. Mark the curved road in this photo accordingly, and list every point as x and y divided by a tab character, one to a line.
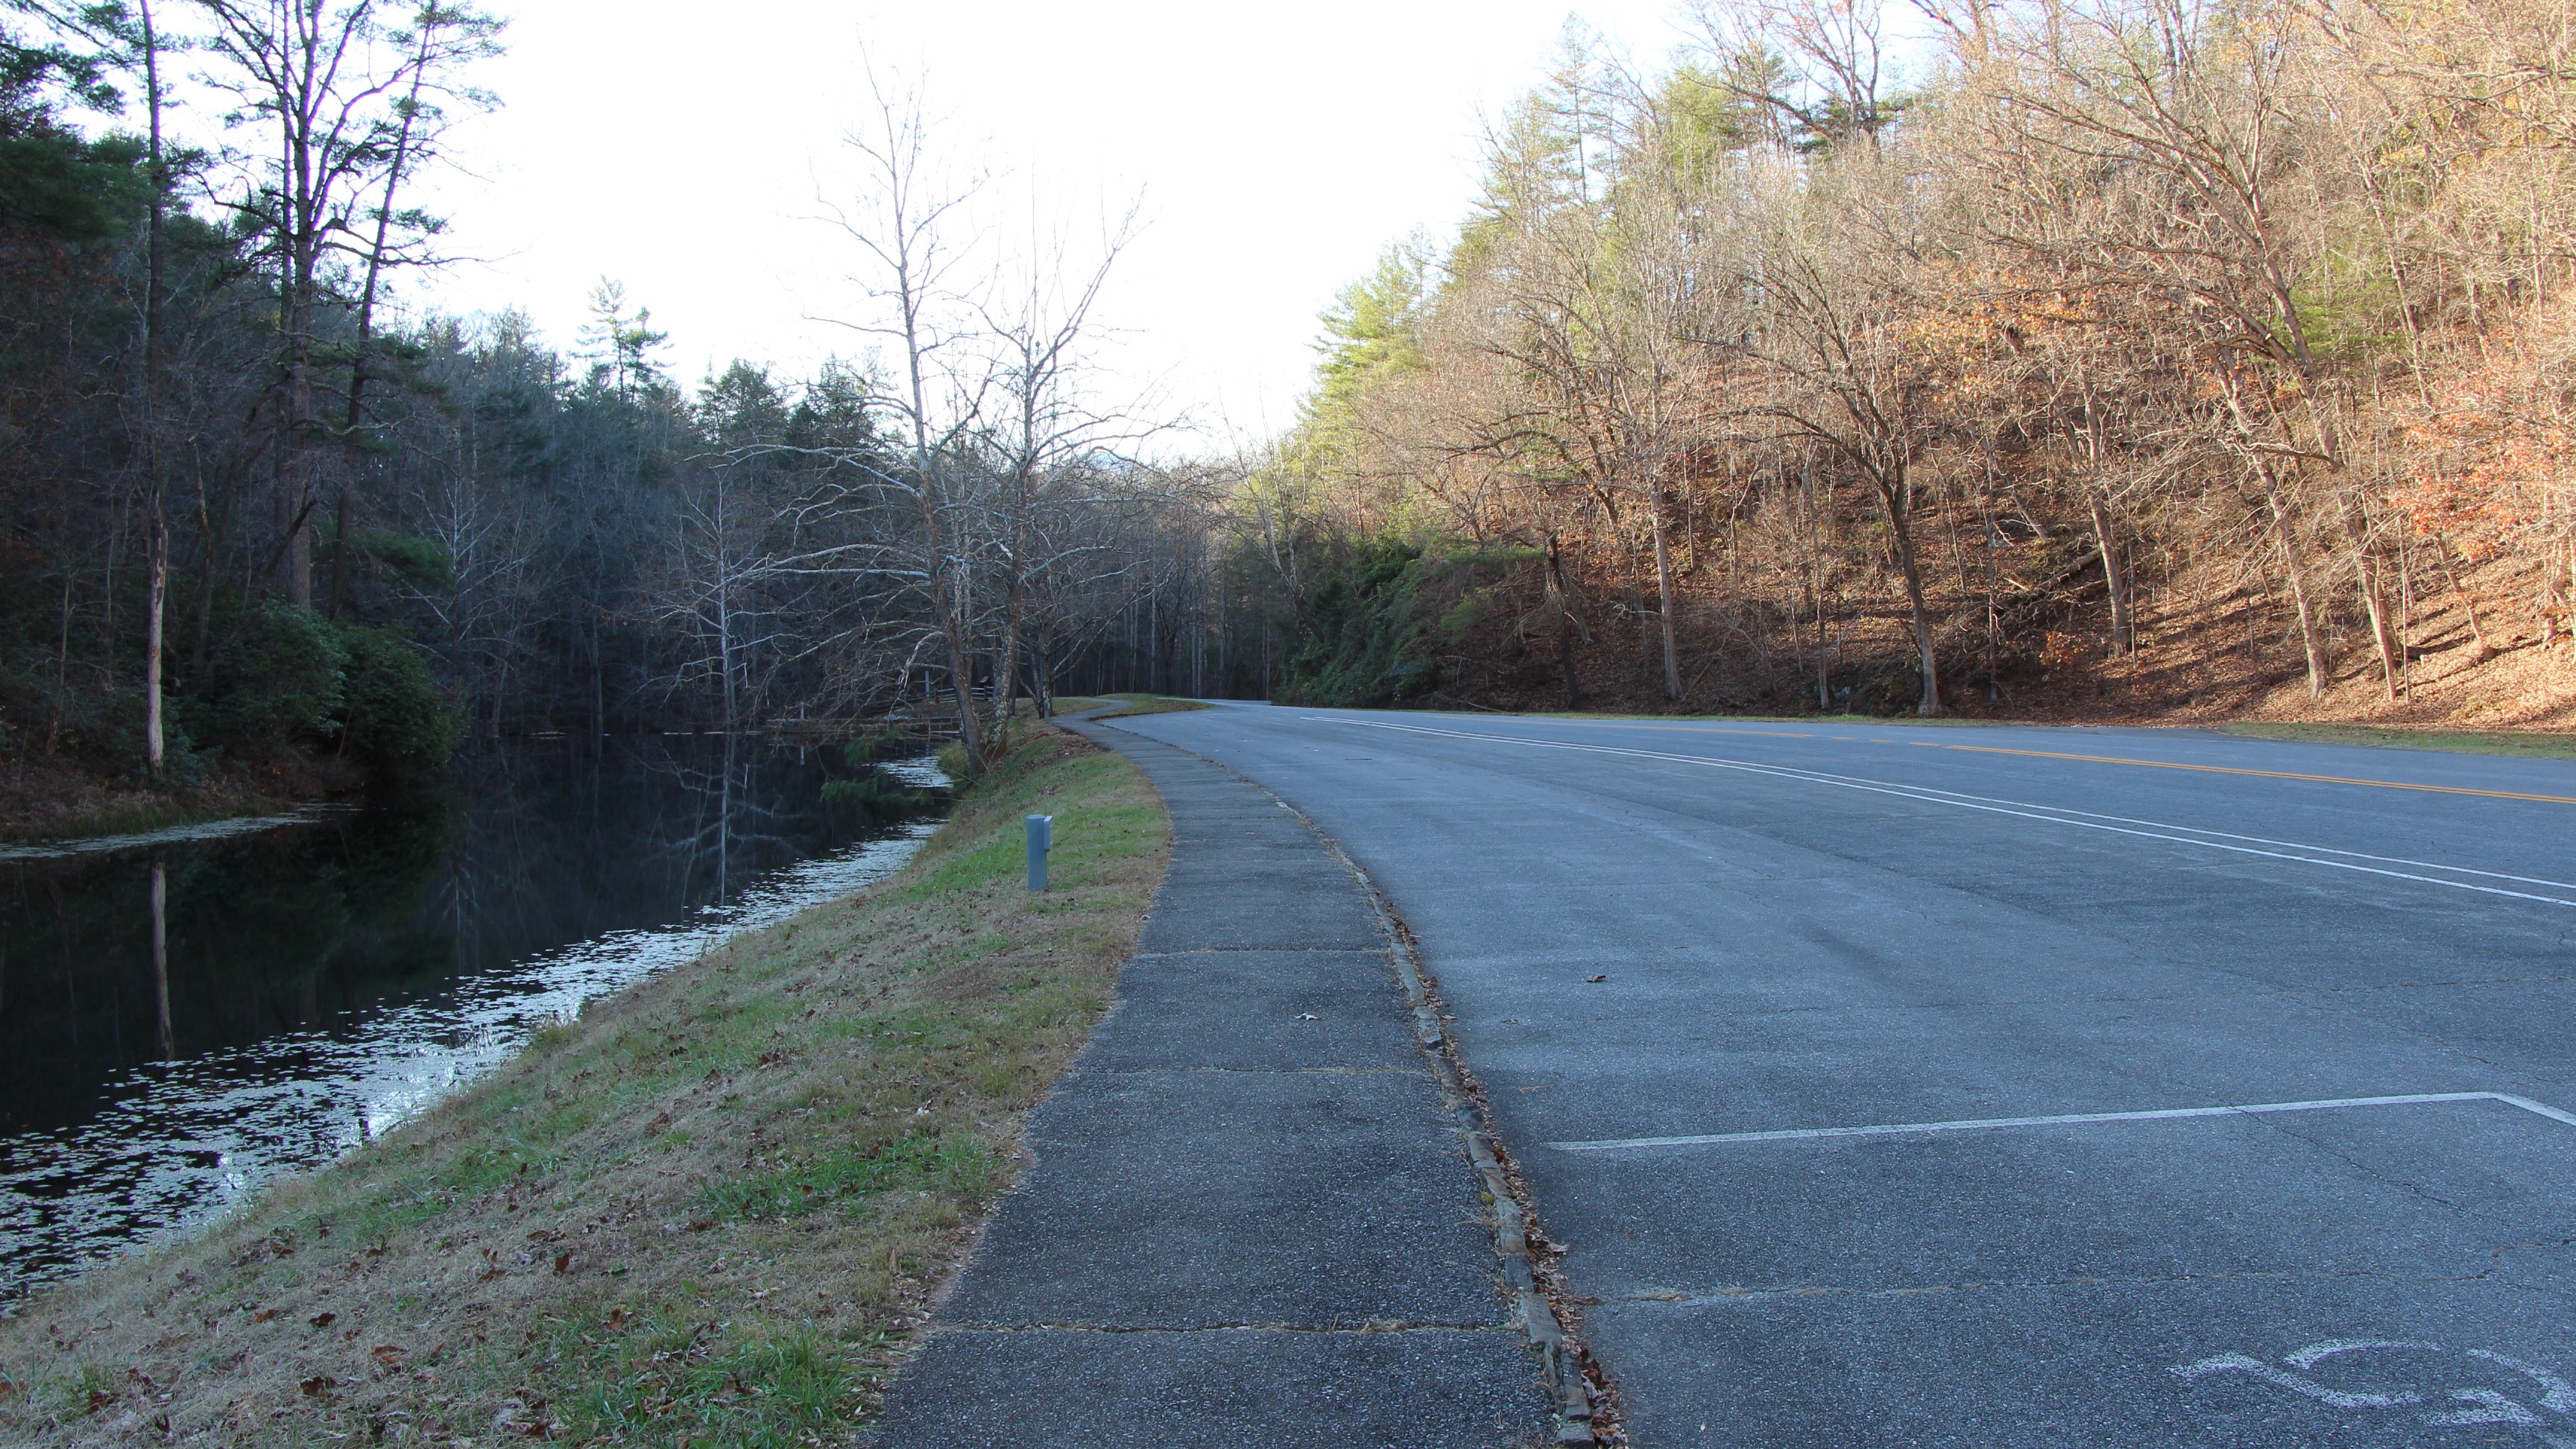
2211	1091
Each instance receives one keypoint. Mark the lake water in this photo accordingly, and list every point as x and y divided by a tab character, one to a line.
322	978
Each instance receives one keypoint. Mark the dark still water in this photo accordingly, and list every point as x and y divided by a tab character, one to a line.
322	978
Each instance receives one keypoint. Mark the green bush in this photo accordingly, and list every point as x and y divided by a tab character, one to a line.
288	678
394	719
282	679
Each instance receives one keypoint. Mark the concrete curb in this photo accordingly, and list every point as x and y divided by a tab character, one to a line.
1563	1365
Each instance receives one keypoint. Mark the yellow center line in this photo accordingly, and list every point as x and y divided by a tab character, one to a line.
1603	724
2272	774
2104	760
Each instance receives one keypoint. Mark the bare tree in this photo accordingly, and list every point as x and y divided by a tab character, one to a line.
904	224
1043	437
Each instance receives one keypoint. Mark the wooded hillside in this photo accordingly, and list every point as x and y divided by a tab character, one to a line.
2133	356
2065	357
265	516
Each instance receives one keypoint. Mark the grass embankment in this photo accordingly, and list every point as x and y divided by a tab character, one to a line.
2532	745
708	1213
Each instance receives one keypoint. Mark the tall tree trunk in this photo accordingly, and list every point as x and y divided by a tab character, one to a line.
1816	582
2370	576
2373	598
1994	613
2095	449
1664	596
2294	562
961	669
1042	673
2123	629
159	588
1006	677
1563	598
1894	499
62	665
340	545
353	432
210	542
291	562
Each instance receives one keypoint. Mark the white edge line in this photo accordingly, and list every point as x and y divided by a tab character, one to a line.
1983	1124
1934	797
1825	776
1930	795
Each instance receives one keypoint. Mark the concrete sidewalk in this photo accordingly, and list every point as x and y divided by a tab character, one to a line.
1252	1219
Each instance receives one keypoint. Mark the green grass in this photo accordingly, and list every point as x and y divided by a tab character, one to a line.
647	1382
846	1176
710	1212
2535	745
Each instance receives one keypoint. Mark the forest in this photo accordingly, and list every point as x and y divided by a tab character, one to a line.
2056	358
2119	358
267	522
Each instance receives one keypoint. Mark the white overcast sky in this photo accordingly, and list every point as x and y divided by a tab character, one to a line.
1277	149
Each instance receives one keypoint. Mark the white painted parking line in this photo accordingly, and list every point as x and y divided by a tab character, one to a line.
1989	1124
2026	810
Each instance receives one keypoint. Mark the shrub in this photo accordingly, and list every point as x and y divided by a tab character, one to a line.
394	720
283	678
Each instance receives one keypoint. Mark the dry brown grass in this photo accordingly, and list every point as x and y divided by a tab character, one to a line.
709	1212
58	800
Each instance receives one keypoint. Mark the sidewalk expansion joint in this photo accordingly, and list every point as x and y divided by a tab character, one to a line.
1567	1371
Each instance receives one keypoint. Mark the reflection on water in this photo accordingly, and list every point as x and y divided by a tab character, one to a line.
182	1021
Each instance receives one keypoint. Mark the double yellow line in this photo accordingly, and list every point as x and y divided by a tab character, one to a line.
2091	760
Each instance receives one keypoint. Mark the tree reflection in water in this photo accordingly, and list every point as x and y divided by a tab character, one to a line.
302	989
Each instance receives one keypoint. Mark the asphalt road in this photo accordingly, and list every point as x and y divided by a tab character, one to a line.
1969	936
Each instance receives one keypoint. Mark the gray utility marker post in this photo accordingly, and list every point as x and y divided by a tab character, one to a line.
1041	840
